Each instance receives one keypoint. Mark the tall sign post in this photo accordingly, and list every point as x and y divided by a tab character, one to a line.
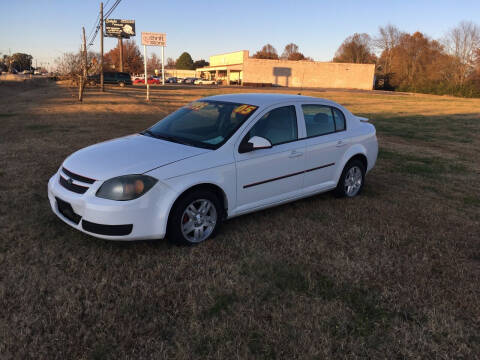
120	29
145	66
163	65
101	47
154	39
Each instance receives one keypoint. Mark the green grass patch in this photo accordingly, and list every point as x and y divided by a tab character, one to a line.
471	200
275	279
222	303
431	129
39	127
427	167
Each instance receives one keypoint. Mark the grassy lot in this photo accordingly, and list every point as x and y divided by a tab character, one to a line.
393	273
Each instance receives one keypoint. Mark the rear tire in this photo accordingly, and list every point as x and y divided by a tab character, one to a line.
352	179
195	217
121	84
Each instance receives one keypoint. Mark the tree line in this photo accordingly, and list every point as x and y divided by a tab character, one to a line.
70	63
290	52
16	61
417	63
409	62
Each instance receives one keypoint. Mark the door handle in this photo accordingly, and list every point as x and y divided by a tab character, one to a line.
295	154
340	143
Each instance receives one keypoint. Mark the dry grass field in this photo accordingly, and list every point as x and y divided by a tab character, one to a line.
393	273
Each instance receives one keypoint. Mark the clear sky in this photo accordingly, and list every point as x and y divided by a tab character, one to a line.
47	28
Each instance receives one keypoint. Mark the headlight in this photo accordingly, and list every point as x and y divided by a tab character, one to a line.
127	187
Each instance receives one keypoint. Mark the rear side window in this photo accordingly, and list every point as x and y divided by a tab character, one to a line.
278	126
339	119
322	120
318	120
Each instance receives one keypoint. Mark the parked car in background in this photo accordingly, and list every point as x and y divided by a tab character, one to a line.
205	82
150	81
214	159
120	78
171	80
190	80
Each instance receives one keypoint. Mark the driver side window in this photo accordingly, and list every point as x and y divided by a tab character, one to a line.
278	126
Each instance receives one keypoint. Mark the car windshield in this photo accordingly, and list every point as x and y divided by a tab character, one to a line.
207	124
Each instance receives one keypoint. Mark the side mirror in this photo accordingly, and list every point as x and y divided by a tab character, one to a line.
255	143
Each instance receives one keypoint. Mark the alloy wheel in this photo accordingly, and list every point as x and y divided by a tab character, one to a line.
353	181
198	220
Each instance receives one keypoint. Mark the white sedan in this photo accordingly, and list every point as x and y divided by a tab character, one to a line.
204	82
216	158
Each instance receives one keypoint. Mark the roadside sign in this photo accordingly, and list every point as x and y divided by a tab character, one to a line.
119	28
154	39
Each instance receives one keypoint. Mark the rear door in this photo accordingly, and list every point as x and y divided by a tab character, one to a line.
267	176
325	145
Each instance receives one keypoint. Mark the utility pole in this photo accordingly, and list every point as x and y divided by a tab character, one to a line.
84	56
101	46
84	73
120	44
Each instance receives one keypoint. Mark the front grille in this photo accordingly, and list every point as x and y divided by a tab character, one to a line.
71	186
66	210
67	177
77	177
112	230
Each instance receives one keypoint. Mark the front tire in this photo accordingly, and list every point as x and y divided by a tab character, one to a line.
352	179
194	218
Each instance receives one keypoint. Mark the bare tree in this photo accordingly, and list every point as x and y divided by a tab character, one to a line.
71	63
153	63
388	37
462	43
170	63
267	52
356	48
289	50
292	52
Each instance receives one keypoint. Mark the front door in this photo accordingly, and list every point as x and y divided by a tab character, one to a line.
268	176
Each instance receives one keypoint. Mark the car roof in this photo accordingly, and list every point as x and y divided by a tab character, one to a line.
265	99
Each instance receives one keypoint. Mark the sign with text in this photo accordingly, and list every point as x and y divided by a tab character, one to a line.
119	28
154	39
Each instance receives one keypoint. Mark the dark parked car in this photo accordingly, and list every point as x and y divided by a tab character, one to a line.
120	78
190	80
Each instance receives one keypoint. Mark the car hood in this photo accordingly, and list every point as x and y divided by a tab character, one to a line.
134	154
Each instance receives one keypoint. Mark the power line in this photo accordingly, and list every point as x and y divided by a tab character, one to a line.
109	12
96	25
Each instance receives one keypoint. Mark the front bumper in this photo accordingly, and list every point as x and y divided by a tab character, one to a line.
139	219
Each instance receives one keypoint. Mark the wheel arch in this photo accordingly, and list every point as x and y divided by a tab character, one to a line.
357	151
216	189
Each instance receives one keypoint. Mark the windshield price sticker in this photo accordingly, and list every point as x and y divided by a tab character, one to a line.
197	105
244	109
